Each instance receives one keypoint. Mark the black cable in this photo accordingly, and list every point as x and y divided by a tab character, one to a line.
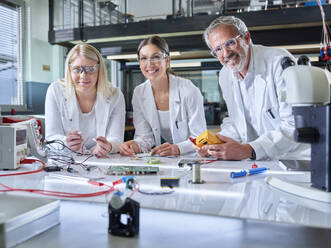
61	161
70	160
86	167
90	156
60	142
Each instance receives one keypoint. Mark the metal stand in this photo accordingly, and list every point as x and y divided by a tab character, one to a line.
196	177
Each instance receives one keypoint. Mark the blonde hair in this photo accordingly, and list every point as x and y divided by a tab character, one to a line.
104	87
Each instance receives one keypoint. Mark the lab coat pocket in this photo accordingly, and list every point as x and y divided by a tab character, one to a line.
182	130
271	119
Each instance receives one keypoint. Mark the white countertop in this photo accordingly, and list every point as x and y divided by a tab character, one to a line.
246	198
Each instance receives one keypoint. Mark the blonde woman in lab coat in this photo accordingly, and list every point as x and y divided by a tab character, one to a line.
167	109
85	110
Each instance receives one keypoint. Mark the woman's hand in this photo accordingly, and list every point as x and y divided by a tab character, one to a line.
166	149
129	148
74	140
102	148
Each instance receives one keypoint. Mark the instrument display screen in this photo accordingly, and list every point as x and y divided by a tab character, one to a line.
21	137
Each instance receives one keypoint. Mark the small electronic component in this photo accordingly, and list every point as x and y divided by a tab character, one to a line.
248	172
170	182
207	138
117	210
325	53
132	170
52	168
142	155
153	161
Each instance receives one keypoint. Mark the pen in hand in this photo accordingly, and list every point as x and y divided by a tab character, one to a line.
248	172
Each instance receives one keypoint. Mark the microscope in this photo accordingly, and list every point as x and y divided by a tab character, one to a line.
308	91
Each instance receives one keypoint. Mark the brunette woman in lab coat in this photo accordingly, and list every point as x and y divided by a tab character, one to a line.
167	109
84	110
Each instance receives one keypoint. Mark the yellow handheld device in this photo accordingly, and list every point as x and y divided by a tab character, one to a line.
207	138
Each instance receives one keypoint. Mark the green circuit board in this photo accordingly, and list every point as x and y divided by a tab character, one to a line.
132	170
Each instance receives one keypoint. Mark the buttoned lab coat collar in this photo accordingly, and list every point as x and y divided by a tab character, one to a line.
102	110
258	68
151	110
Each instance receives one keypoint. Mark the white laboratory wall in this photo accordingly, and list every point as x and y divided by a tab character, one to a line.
37	51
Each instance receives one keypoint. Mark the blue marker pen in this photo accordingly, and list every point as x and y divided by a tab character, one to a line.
248	172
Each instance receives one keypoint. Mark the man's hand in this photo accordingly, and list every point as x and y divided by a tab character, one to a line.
74	140
229	150
129	148
102	148
202	153
166	149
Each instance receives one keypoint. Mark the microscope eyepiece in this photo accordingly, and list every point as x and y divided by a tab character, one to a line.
303	60
287	62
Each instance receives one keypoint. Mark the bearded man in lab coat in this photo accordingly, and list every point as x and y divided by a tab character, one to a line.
259	125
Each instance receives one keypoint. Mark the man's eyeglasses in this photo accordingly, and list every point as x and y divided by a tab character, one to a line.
228	45
156	58
87	69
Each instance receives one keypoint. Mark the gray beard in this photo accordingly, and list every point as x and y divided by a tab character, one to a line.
243	58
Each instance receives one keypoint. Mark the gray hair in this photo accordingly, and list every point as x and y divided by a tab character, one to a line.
235	22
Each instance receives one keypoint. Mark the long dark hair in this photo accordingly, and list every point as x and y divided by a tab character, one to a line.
160	43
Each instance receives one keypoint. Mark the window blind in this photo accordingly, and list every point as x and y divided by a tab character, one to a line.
11	55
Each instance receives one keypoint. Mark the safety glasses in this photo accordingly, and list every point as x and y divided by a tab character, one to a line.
87	69
156	58
228	45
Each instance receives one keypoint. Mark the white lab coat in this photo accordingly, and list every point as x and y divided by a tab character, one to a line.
275	130
187	118
62	115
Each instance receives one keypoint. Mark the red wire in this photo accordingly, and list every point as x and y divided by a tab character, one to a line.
57	193
54	193
27	161
208	161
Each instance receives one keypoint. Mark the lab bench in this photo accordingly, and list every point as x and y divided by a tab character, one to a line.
240	212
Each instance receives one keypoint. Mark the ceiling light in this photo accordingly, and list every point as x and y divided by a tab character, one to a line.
122	56
134	56
186	64
139	37
314	59
175	53
297	47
